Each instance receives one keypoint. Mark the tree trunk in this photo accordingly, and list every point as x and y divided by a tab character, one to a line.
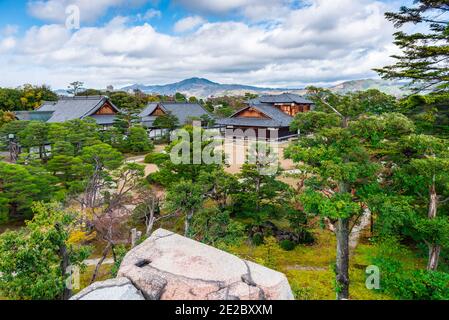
97	268
342	264
434	249
150	224
434	256
187	223
67	293
433	202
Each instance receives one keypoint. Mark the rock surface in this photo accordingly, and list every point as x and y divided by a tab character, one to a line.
112	289
168	266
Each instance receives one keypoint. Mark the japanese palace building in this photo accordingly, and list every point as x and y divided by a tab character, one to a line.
269	115
69	108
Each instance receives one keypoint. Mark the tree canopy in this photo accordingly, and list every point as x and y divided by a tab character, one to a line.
425	57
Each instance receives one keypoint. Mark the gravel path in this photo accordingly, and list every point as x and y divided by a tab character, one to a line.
94	262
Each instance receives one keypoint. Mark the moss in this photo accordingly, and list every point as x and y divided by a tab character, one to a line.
86	276
307	267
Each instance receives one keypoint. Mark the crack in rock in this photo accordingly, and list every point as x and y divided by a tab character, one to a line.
248	279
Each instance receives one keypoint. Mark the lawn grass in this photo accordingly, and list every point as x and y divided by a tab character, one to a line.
86	276
309	267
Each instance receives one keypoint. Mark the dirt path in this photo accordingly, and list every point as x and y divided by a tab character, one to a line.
94	262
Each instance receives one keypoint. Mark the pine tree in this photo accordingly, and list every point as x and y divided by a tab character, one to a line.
425	58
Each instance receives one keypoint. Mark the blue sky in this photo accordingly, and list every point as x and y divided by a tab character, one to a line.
279	43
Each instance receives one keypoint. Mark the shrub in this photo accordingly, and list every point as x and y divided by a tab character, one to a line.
420	285
287	245
138	140
257	239
156	158
214	227
120	252
402	280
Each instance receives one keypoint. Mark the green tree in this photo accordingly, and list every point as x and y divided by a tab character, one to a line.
424	175
20	186
167	121
189	156
10	99
5	117
425	53
309	122
34	261
193	99
186	198
66	168
130	106
429	112
35	135
11	128
260	195
376	102
340	168
89	92
207	121
224	111
179	97
75	87
79	133
33	97
62	148
138	140
27	97
102	160
219	186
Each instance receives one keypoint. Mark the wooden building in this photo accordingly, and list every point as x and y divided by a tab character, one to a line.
183	111
266	117
99	108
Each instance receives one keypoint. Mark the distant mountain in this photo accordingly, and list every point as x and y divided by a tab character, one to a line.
202	88
391	87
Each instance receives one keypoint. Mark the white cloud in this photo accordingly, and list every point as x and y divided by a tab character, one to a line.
150	14
314	44
253	9
188	23
7	44
90	10
9	30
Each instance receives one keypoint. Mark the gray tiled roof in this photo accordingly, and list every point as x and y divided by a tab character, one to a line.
250	122
282	98
182	111
69	108
275	114
277	117
33	115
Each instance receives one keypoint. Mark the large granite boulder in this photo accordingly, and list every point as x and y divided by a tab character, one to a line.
112	289
168	266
